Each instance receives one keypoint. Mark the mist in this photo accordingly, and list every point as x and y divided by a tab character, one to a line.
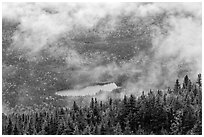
60	46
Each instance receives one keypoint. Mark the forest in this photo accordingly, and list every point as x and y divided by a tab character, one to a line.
176	111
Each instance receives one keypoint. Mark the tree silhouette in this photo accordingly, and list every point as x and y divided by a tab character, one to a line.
15	130
177	87
75	106
199	81
10	128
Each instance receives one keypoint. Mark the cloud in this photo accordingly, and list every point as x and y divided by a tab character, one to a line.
144	45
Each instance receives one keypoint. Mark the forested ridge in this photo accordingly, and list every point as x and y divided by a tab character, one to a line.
176	111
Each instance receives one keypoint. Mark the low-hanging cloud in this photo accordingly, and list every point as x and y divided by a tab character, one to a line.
137	45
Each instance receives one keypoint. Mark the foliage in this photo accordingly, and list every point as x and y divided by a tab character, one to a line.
159	112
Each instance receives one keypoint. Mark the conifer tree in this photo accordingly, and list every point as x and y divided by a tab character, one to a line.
143	95
87	130
98	128
125	101
199	81
76	130
101	105
60	128
103	130
10	128
110	101
164	131
96	102
177	87
118	130
92	103
127	130
176	124
132	103
140	131
75	107
31	127
15	130
185	82
42	132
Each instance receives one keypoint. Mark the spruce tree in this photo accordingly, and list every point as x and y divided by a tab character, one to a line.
185	82
199	81
131	103
92	103
118	130
15	130
10	128
87	130
140	131
76	130
75	107
177	87
127	130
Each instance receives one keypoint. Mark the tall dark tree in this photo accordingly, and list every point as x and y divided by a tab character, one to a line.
127	130
75	106
9	128
132	103
110	101
199	80
92	103
15	130
177	87
185	82
125	101
118	130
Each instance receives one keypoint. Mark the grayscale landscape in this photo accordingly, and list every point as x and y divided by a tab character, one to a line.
101	68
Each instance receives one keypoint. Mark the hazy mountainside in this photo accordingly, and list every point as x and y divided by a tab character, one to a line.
52	47
175	112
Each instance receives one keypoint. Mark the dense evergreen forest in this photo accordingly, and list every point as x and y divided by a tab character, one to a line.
176	111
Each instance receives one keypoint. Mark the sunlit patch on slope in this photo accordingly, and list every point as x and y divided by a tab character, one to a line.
90	90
